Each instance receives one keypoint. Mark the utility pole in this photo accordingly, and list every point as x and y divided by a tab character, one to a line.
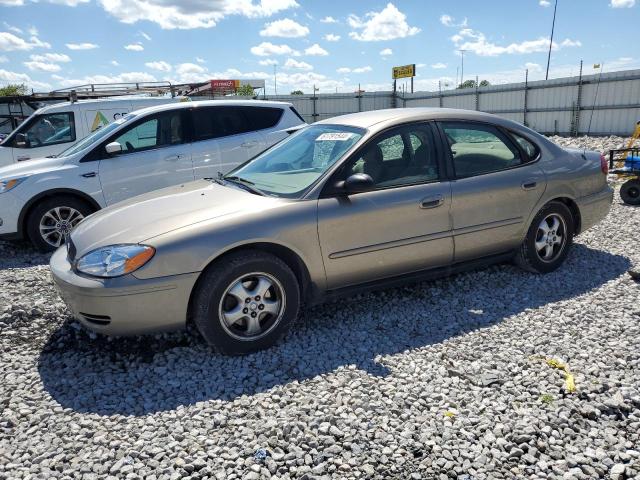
456	85
553	25
462	66
275	79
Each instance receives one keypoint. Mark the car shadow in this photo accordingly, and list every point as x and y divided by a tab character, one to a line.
147	374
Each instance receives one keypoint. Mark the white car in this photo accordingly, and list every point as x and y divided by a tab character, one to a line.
43	200
54	128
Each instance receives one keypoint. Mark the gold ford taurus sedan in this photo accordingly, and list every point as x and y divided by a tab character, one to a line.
353	202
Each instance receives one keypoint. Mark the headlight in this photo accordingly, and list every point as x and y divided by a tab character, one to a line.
6	185
115	260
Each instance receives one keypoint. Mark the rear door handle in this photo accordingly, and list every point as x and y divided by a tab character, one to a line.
23	158
173	158
432	202
529	185
89	174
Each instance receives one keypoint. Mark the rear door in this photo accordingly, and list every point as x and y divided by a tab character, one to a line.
496	186
153	156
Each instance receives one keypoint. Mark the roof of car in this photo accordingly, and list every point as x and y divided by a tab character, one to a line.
368	119
212	103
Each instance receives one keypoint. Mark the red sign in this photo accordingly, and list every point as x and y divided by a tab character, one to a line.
224	84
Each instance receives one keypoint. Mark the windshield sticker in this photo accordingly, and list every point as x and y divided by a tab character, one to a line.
334	137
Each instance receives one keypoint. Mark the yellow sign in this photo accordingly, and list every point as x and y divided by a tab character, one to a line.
404	71
99	121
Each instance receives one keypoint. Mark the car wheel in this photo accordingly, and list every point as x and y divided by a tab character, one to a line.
246	302
548	240
630	192
53	218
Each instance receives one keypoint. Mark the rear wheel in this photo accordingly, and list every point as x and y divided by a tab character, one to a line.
630	192
548	240
246	302
53	218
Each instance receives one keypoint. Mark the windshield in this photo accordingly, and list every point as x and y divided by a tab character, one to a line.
293	165
96	136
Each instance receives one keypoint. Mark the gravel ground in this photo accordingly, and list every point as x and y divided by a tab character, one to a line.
444	379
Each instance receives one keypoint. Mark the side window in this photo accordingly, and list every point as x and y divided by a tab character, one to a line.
216	122
477	149
529	148
402	157
262	117
44	130
160	130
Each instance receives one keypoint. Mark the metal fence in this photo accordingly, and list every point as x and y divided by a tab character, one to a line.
563	106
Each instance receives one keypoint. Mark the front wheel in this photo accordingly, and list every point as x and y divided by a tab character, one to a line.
548	240
53	219
246	302
630	192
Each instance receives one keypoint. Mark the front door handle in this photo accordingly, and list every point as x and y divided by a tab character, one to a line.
432	202
23	158
173	158
529	185
89	174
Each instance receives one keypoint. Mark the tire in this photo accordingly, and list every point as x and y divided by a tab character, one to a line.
71	211
235	328
630	192
544	253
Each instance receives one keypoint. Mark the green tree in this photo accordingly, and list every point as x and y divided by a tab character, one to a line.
13	90
472	84
245	90
297	92
485	83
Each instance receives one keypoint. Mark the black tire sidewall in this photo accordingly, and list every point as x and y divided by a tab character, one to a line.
215	282
529	250
624	192
33	219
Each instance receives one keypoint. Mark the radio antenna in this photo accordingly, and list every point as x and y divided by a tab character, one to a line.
593	107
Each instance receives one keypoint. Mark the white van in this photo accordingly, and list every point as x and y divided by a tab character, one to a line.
54	128
145	150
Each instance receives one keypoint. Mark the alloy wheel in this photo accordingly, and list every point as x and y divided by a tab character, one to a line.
551	237
57	223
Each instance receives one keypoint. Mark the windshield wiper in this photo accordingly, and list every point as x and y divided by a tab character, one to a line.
243	182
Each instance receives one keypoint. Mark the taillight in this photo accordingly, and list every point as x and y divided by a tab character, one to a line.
604	165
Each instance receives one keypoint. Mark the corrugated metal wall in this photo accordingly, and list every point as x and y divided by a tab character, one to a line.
563	105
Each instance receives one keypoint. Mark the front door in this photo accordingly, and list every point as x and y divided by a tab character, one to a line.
153	156
497	184
402	225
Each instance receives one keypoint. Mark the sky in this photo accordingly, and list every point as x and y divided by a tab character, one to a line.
336	45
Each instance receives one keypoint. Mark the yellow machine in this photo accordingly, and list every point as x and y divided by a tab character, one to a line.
628	165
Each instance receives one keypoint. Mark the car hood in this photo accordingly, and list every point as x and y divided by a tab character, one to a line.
146	216
31	167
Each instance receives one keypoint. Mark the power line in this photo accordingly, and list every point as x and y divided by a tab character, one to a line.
462	66
553	25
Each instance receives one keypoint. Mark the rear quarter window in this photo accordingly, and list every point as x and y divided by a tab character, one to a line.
262	117
529	148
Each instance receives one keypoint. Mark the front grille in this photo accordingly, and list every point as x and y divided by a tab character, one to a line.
101	320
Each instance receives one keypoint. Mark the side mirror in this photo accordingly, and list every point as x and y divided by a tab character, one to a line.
356	183
21	140
113	147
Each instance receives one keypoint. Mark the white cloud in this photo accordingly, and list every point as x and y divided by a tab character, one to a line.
294	64
317	50
188	68
476	42
114	63
11	28
191	14
145	36
126	77
9	42
387	24
544	3
42	66
160	65
3	59
328	19
51	57
622	3
200	60
81	46
439	65
7	76
386	52
266	49
268	61
534	67
354	70
136	47
330	37
286	28
449	21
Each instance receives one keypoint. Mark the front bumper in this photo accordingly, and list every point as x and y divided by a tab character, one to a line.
10	207
124	305
593	208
